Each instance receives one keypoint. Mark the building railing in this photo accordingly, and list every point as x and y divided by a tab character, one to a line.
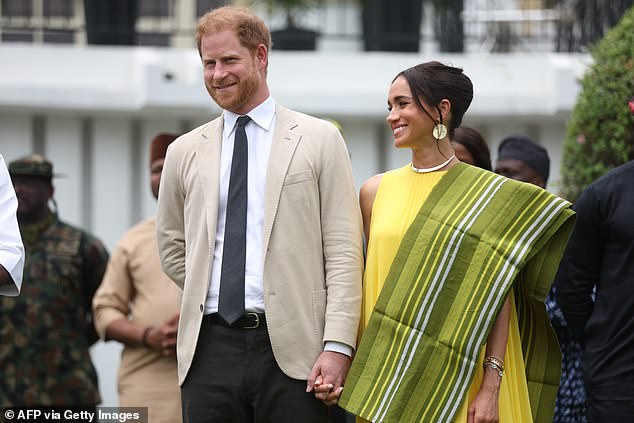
476	27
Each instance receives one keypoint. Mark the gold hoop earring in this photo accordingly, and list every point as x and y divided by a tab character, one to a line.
440	131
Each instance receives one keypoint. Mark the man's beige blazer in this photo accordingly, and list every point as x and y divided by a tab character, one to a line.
312	237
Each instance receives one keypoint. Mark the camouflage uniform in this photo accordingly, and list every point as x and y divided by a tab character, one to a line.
47	331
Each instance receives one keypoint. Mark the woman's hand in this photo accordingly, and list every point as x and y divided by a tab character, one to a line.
484	408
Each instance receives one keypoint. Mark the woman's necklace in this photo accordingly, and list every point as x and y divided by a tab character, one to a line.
431	169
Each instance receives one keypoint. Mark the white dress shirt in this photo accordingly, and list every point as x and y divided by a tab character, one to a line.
259	139
11	248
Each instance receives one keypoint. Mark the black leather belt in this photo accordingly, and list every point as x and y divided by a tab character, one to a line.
247	321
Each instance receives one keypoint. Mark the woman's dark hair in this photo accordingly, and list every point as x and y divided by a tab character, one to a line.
475	144
433	81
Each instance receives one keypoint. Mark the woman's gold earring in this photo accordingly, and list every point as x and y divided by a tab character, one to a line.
440	131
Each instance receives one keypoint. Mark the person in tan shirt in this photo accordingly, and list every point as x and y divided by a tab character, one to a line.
137	305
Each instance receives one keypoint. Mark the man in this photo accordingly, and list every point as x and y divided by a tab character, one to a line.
522	159
47	330
11	248
600	255
258	222
137	305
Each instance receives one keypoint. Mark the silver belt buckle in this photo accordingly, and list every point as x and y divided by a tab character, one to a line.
257	321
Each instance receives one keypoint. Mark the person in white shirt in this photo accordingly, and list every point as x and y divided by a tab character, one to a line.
11	248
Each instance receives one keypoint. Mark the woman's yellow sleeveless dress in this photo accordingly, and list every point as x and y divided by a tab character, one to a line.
398	200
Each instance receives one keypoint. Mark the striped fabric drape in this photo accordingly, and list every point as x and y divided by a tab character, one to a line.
476	235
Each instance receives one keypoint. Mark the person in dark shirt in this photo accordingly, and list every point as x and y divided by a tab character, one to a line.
601	254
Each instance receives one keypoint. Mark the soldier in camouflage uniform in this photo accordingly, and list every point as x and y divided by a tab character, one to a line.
46	332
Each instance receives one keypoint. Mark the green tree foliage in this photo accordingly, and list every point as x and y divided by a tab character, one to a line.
600	135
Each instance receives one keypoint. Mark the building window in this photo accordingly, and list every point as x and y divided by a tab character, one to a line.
154	8
62	8
9	36
153	39
204	6
17	8
59	36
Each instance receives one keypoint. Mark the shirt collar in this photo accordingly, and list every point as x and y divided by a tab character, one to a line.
262	115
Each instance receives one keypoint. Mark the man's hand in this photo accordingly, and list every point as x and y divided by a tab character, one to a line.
164	337
328	375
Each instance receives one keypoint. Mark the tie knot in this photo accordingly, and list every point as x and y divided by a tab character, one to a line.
242	121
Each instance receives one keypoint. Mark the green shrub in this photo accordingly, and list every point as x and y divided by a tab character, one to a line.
600	135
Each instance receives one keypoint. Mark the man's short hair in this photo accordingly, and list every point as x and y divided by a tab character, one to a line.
250	29
524	149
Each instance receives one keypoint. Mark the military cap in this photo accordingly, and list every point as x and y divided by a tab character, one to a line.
32	165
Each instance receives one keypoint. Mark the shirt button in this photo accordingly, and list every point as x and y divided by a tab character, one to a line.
201	308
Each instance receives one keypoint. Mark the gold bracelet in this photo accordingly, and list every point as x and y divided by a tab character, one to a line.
497	361
494	367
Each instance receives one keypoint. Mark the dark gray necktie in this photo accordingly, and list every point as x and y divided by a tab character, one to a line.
231	296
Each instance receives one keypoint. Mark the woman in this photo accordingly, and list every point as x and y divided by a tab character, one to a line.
471	148
446	242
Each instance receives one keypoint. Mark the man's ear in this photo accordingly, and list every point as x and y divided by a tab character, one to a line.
262	56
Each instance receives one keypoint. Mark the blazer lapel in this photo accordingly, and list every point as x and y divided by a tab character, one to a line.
284	144
208	165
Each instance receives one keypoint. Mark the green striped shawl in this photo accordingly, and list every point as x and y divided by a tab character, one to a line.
476	235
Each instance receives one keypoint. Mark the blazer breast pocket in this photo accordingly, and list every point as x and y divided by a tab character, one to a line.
298	177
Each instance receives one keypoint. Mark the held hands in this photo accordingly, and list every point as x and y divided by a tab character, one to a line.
328	375
163	337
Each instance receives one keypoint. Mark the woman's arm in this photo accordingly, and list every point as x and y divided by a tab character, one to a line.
367	194
484	408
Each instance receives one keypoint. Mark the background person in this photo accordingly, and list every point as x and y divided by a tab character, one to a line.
258	222
11	248
137	305
471	148
601	255
522	159
47	330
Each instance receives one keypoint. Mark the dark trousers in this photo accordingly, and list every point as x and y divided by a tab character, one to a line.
234	378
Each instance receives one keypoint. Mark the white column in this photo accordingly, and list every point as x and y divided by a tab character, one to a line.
64	149
552	138
15	136
111	179
364	148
